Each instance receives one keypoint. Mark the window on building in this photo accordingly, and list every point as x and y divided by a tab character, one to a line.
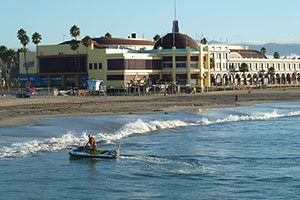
95	65
100	65
167	65
90	66
180	65
194	65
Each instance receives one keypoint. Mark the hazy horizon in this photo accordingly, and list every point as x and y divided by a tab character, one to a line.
234	21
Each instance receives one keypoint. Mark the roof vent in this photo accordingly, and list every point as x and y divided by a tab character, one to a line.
133	35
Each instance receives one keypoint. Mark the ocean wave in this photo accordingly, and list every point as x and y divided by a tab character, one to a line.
255	116
140	127
70	140
18	150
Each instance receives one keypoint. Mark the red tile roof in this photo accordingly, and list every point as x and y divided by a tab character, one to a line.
249	53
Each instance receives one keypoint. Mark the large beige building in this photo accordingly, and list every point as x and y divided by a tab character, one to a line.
175	58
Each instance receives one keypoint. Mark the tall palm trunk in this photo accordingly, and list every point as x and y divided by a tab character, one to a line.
25	63
75	60
37	60
78	60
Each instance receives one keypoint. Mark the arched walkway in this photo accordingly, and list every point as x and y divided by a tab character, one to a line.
283	80
278	81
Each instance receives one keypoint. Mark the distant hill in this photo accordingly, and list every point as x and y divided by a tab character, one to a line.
289	50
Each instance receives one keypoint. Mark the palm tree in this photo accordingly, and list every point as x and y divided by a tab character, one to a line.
203	41
74	46
263	50
2	50
36	39
75	33
3	55
87	41
156	38
8	57
271	72
108	35
24	39
244	68
276	55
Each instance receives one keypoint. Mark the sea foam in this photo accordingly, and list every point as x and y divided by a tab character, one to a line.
71	140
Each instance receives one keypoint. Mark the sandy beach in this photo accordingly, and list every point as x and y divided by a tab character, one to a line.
16	111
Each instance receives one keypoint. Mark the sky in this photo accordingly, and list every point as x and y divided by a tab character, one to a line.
232	21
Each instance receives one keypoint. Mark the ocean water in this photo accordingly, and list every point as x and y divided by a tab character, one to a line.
224	153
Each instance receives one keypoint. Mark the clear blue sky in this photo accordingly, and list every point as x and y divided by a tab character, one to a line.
236	20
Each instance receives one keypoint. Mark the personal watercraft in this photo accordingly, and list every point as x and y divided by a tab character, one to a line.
85	152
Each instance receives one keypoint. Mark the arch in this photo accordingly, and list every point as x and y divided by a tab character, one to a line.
255	79
249	79
282	79
278	80
298	77
261	78
272	79
237	79
225	79
218	80
294	78
212	80
288	79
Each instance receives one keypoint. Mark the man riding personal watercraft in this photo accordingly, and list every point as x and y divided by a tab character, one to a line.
92	143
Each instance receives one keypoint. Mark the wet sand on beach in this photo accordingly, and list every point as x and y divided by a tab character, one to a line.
17	111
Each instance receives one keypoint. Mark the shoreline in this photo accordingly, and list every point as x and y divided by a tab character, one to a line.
19	112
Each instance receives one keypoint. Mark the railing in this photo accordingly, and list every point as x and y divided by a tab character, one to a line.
35	91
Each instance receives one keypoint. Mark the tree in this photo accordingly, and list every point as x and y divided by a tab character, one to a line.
36	39
24	39
8	57
3	57
244	68
2	50
74	46
156	38
276	55
203	41
271	72
75	33
107	35
263	50
87	41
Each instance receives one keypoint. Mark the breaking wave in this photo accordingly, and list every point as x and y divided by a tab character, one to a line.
235	118
70	139
140	127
